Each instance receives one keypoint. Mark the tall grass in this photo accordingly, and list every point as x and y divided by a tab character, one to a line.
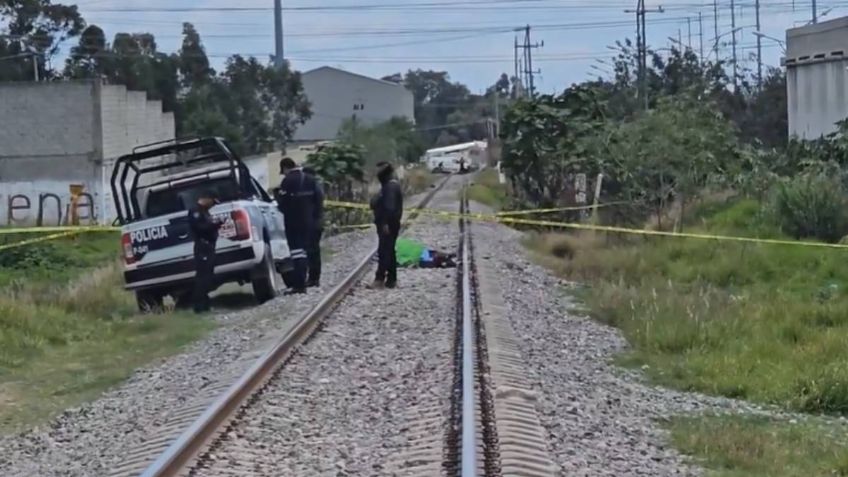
760	322
488	190
68	330
812	206
757	447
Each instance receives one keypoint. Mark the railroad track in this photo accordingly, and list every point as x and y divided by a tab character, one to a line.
488	427
200	424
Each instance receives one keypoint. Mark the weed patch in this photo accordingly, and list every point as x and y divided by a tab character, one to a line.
68	330
758	447
759	322
488	190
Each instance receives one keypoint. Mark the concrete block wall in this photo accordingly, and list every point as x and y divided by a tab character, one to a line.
55	135
131	121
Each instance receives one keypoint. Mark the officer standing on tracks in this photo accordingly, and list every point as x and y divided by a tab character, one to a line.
296	201
313	250
388	211
204	231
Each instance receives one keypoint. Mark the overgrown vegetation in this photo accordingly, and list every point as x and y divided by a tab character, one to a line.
761	322
757	447
488	190
68	330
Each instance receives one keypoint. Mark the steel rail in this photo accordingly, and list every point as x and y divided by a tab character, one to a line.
192	442
469	421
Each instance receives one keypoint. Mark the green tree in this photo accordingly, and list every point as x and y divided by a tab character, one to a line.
131	60
392	141
34	28
193	62
255	105
89	58
548	140
672	152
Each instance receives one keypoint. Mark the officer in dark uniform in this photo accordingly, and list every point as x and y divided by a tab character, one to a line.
313	250
388	211
297	201
204	231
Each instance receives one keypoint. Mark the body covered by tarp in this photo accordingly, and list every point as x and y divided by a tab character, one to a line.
413	254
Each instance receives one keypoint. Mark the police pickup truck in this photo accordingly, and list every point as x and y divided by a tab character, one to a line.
154	187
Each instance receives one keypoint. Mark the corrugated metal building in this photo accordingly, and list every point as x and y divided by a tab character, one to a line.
337	95
816	77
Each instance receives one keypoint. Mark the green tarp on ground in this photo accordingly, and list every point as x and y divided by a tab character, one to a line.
408	252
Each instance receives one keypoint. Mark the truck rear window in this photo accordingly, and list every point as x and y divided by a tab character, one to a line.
183	197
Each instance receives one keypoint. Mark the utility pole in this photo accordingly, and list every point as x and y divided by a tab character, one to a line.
701	37
733	33
689	26
680	39
279	56
715	26
642	45
815	13
497	114
759	48
517	81
528	71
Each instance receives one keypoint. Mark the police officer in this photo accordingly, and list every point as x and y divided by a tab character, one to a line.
313	250
296	200
388	211
204	231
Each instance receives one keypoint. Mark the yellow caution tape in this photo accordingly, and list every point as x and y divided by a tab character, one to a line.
39	230
621	230
40	239
347	205
347	227
557	209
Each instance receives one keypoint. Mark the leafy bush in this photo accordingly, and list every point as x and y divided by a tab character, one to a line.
811	206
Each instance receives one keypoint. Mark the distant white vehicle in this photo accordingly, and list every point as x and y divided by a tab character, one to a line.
450	159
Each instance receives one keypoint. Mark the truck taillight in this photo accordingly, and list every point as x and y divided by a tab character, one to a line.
241	221
126	244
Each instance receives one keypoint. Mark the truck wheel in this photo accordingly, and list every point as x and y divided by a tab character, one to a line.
149	301
265	278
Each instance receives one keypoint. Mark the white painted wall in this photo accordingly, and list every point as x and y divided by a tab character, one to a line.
32	195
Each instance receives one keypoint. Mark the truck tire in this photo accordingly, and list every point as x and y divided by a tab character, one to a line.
264	280
149	301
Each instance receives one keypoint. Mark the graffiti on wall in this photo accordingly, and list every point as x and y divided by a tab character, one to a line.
49	209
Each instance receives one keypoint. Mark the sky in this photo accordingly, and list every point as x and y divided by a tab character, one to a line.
473	40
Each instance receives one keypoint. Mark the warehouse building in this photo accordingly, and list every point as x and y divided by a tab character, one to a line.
338	96
58	144
816	77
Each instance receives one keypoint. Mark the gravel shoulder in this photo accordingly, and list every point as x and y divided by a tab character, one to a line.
601	420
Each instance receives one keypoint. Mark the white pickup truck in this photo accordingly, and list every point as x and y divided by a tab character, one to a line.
153	189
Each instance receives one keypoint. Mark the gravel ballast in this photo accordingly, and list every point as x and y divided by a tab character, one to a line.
340	406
